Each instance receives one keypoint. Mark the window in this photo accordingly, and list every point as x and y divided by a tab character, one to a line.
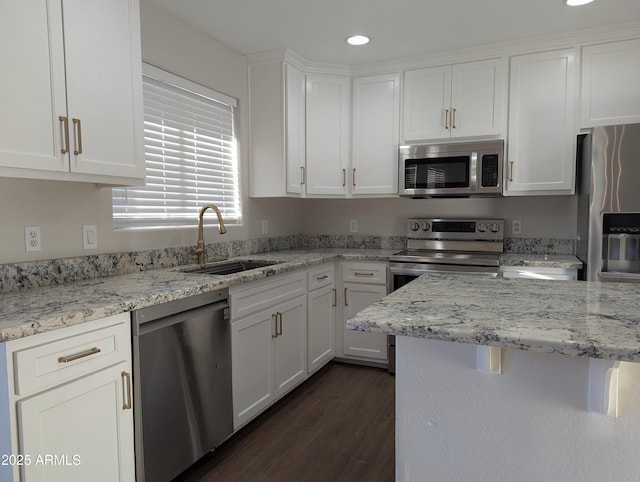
190	156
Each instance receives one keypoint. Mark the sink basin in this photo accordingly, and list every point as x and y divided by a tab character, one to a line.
230	267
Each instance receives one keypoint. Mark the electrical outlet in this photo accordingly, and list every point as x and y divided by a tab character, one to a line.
33	241
89	236
265	226
353	225
516	226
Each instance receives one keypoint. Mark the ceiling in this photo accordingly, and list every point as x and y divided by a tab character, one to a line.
316	29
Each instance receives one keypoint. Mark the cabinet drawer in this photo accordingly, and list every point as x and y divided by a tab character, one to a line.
320	276
54	362
252	297
374	273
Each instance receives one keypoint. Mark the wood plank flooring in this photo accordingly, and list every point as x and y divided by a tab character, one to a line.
337	426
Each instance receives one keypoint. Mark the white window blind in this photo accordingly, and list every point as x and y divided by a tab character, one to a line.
190	156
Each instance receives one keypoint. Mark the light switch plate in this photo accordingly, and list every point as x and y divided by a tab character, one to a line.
89	236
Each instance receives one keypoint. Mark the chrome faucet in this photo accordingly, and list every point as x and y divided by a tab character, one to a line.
199	249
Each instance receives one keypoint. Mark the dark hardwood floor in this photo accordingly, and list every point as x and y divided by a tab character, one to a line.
337	426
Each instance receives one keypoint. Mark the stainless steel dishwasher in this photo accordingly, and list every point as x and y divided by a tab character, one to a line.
182	383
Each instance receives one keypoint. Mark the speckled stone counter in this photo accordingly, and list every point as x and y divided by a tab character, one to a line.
564	261
584	319
27	312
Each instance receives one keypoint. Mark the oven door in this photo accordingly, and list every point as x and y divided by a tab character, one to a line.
403	273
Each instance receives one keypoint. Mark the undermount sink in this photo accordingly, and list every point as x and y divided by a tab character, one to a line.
230	267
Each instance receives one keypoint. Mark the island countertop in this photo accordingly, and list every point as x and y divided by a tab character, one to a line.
589	319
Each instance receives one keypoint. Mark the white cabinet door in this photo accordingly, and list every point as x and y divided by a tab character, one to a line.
427	101
360	344
104	86
610	80
460	100
477	98
375	134
290	345
252	365
64	423
542	138
32	91
321	319
327	136
295	129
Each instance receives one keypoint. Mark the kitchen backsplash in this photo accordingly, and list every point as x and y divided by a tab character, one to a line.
32	274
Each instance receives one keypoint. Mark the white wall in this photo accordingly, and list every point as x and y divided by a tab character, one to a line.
529	424
61	208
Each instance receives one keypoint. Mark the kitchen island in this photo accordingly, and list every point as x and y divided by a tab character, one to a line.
501	379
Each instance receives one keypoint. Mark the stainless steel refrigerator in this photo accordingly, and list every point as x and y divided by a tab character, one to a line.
608	183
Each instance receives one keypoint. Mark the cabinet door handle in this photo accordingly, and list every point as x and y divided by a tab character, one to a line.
279	324
335	297
446	118
320	278
354	177
76	356
126	381
453	119
302	175
362	274
346	300
510	171
274	317
78	128
65	134
344	177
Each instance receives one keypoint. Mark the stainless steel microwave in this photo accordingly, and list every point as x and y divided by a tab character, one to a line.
463	169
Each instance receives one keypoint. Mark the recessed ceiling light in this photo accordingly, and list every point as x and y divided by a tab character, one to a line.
576	3
358	40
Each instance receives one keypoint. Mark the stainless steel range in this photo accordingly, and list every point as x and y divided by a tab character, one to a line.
451	246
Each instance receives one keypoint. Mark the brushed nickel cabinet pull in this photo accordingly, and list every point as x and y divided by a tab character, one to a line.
346	301
126	380
302	175
320	278
335	297
453	119
354	177
279	324
65	134
78	128
362	274
446	118
510	171
344	177
76	356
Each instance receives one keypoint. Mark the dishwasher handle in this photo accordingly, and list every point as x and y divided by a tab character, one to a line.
140	328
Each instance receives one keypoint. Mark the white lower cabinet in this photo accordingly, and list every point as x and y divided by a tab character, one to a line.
70	390
363	283
321	316
268	342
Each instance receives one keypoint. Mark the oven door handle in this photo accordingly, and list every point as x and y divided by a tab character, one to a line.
417	270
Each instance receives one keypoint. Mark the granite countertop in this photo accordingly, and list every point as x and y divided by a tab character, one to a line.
37	310
564	261
590	319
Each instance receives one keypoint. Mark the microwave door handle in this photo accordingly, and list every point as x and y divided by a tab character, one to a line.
473	172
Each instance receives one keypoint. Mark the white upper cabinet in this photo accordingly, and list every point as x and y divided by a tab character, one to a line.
375	134
327	134
74	109
610	84
460	100
541	144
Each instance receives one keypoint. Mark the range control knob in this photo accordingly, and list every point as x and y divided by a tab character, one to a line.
482	227
495	227
426	226
413	226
